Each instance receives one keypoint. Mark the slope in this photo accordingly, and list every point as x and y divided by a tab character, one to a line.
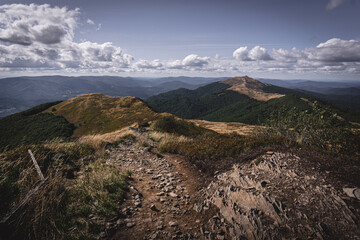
20	93
233	100
98	113
32	127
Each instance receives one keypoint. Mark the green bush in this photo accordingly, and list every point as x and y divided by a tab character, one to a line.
319	128
32	127
179	127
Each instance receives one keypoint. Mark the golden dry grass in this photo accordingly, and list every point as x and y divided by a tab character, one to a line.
250	87
99	141
226	127
98	113
166	138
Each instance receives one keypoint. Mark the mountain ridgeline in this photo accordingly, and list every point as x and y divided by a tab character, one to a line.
240	99
20	93
75	117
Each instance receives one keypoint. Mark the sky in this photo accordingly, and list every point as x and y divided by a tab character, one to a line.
285	39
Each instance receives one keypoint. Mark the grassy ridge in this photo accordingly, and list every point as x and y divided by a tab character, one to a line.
98	113
214	103
32	127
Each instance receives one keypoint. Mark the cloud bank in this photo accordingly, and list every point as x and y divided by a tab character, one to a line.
40	37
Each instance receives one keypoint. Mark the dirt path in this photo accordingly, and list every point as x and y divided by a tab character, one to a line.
273	196
164	200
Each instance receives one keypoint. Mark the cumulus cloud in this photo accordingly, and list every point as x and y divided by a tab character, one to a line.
336	50
242	53
333	4
257	53
145	64
189	62
334	55
41	36
29	24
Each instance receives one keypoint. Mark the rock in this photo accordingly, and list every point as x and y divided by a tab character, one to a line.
173	224
126	211
119	222
263	183
157	177
172	194
160	194
130	224
153	207
350	192
137	204
160	225
357	193
102	235
153	236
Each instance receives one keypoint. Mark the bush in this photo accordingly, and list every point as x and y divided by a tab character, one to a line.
23	128
318	128
170	124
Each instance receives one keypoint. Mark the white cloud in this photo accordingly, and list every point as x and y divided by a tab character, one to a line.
241	54
98	27
29	24
257	53
334	55
89	21
145	64
333	4
191	61
336	50
194	60
41	36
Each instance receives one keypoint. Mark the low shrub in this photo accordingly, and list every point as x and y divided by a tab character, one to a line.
170	124
317	129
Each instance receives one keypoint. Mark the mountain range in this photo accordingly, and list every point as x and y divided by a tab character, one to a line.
239	99
20	93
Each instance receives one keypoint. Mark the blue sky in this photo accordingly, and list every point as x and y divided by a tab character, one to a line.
261	38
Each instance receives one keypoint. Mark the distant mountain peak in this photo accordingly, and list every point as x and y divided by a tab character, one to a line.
250	87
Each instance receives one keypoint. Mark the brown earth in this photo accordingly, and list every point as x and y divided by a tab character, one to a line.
281	194
250	87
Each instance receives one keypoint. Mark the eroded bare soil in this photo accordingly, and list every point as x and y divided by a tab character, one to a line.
272	196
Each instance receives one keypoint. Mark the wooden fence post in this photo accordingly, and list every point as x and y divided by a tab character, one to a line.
36	165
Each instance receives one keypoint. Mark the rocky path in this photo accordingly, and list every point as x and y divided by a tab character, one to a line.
271	197
275	197
164	201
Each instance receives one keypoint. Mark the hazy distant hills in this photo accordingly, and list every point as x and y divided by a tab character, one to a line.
20	93
343	93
